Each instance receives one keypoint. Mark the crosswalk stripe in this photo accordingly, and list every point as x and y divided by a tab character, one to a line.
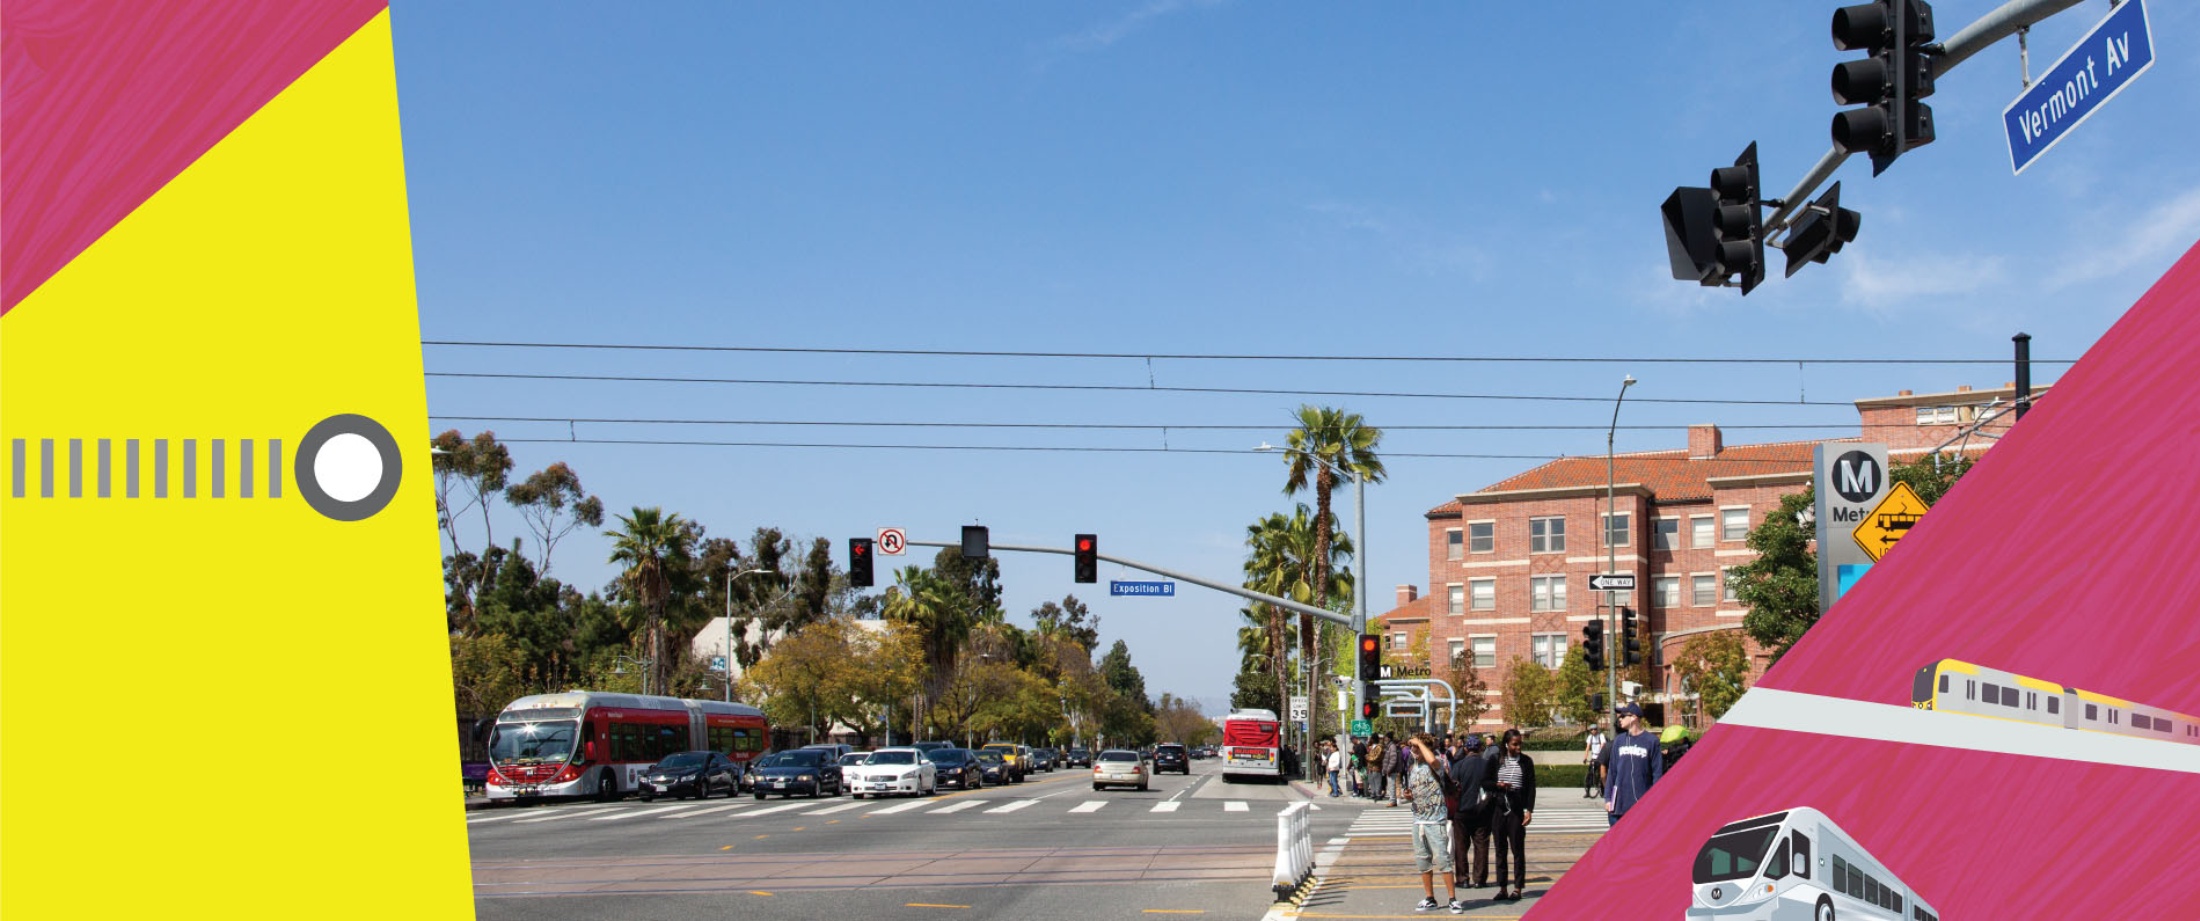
1090	806
844	807
1166	806
633	813
564	815
487	818
690	815
1234	806
958	807
1012	807
918	803
783	807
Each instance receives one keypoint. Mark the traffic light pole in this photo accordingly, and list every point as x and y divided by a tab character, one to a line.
1240	591
1976	37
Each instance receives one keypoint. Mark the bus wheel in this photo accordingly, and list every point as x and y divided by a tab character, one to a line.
1825	909
607	787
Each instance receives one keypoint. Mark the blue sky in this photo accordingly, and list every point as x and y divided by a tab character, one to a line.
1206	178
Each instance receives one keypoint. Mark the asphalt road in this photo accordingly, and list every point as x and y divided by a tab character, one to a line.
1049	847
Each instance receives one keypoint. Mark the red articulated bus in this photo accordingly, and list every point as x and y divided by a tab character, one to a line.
1252	745
592	743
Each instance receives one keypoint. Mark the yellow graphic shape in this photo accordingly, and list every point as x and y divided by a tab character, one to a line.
1885	524
231	707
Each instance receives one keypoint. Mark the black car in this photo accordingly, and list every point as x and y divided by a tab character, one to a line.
696	774
1077	757
1046	759
1170	756
808	771
958	767
994	768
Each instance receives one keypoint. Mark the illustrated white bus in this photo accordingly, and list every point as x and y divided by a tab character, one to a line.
1796	865
592	743
1252	745
1953	686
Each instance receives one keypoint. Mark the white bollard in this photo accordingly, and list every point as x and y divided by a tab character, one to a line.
1294	849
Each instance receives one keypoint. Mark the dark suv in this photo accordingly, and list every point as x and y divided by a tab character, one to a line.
1171	757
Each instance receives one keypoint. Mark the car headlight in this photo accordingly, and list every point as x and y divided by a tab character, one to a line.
805	777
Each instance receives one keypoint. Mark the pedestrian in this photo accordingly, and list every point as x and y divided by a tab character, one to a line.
1592	751
1401	762
1470	823
1424	791
1375	772
1631	764
1338	764
1510	781
1359	766
1674	742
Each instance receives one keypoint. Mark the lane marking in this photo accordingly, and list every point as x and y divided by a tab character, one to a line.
1166	806
930	905
1012	807
634	813
783	807
1235	805
844	807
690	815
918	804
566	815
1176	911
958	807
1091	806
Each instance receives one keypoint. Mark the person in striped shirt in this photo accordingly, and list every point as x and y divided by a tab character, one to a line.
1510	781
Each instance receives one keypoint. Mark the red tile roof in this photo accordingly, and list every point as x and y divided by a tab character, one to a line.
1417	609
1669	475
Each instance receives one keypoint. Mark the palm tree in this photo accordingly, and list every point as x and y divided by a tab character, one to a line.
658	551
936	609
1282	563
1347	443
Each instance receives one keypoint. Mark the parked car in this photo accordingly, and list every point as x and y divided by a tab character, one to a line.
1170	756
1011	753
1119	767
958	767
696	774
1078	757
890	771
993	768
808	771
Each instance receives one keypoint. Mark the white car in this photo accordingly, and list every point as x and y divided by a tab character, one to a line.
894	770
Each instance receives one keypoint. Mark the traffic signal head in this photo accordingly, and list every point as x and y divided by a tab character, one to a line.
859	562
1888	83
1087	553
977	542
1371	696
1821	231
1630	639
1371	656
1736	221
1592	644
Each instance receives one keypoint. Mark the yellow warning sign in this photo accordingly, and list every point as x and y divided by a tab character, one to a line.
1885	524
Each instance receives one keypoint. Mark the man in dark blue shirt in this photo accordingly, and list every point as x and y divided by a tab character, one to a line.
1631	764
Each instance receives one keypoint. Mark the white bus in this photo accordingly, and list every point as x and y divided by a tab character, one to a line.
1797	865
1252	745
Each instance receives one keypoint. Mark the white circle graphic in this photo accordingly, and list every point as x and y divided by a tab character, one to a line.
347	468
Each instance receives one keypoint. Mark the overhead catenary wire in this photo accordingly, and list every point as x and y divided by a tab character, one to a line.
1141	426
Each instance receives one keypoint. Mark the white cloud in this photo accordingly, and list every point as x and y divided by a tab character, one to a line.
1106	34
1881	285
2155	237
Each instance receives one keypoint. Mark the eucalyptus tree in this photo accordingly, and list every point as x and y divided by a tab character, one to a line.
553	504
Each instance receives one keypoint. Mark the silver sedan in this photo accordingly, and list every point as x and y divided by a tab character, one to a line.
1120	767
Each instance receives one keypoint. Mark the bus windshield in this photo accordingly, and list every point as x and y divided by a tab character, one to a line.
1257	733
520	743
1735	855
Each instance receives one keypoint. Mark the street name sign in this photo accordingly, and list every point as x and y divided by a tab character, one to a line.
2098	67
1612	582
1884	526
1146	589
891	541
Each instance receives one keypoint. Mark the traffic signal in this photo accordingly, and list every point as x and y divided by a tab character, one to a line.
859	562
977	542
1371	697
1630	640
1735	221
1821	231
1592	644
1889	83
1596	703
1371	656
1088	558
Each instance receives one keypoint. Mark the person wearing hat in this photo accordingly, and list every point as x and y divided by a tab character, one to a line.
1471	823
1631	764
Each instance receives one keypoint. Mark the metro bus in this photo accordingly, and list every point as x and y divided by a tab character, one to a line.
1252	745
593	743
1795	864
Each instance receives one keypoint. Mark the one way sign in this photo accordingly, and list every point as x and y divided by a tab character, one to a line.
1612	582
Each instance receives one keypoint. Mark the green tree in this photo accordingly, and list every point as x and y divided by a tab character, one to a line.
1347	443
1716	667
1071	618
1130	717
1280	562
1530	693
477	470
806	678
657	551
553	504
937	611
1571	686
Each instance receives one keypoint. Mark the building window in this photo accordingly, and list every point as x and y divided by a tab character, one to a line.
1550	650
1546	535
1547	593
1485	651
1398	641
1665	591
1731	592
1699	532
1458	648
1482	537
1734	524
1666	535
1703	591
1455	598
1617	528
1484	593
1936	415
1454	543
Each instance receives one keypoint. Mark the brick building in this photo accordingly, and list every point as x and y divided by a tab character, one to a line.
1509	564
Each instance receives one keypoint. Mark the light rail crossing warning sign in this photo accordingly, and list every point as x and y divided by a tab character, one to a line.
1885	524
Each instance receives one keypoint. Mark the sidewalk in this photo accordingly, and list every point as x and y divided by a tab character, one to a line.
1368	873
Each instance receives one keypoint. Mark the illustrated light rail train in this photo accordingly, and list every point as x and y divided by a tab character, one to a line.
1953	686
1796	864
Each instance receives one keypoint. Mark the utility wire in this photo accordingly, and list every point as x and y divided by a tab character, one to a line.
1116	388
976	353
1140	427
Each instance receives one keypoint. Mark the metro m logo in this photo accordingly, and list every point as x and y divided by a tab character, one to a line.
1856	476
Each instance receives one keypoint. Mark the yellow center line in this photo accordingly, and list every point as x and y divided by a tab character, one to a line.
758	892
830	822
1176	911
727	848
762	837
930	905
798	828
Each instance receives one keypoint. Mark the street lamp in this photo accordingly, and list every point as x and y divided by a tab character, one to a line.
1611	662
645	663
1359	581
730	577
